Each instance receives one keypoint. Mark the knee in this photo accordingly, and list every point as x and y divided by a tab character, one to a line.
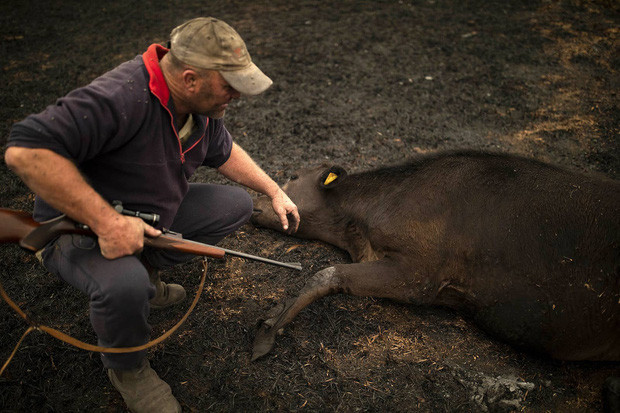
248	206
242	206
129	289
325	281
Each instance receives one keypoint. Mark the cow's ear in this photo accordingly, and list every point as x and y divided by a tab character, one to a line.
332	177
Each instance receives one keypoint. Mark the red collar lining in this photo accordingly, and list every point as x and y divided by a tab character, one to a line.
157	82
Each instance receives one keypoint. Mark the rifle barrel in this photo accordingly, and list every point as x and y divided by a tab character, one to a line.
293	265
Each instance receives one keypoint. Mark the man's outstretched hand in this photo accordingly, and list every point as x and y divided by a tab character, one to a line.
286	210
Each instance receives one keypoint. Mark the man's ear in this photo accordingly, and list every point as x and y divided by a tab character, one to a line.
190	79
332	177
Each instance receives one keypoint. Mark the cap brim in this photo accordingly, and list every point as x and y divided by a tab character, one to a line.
248	81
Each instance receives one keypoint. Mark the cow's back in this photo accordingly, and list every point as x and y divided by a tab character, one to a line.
530	250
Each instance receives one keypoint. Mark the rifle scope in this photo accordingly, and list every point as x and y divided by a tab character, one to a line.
150	218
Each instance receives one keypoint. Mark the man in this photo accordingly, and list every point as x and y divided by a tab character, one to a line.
136	134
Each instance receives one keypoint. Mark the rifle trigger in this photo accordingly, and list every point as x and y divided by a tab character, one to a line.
171	233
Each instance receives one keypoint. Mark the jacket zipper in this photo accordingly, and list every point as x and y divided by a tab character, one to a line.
181	151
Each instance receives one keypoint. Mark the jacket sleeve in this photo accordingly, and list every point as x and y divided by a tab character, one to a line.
88	121
220	144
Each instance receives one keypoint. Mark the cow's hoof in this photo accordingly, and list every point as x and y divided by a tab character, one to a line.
264	341
611	394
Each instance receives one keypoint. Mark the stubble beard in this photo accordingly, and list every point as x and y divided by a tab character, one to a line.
216	114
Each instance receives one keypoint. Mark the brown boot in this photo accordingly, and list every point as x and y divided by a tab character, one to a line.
143	390
167	294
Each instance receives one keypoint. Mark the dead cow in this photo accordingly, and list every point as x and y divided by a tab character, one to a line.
529	251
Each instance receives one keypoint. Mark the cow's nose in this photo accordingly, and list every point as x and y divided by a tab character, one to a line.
256	213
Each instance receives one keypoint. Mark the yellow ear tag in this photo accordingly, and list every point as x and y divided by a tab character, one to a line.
330	178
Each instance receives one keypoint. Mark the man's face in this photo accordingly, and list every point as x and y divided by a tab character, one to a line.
213	94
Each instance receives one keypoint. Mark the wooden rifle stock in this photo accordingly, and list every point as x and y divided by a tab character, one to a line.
19	227
176	243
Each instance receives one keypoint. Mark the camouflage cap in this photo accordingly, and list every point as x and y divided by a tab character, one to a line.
209	43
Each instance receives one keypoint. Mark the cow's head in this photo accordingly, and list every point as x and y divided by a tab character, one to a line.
310	190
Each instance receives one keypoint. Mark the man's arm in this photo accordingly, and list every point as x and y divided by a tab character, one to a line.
58	181
242	169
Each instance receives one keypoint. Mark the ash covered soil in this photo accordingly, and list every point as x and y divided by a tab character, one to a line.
360	84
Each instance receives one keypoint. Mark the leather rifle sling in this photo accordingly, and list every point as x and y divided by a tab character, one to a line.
90	347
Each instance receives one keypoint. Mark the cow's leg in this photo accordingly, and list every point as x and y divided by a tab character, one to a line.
377	279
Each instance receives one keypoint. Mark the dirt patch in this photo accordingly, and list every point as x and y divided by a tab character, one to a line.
361	84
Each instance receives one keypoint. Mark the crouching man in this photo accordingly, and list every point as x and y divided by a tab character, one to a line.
137	134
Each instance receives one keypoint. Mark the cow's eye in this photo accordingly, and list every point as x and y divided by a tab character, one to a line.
294	177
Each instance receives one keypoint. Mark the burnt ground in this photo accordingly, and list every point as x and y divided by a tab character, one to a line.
362	84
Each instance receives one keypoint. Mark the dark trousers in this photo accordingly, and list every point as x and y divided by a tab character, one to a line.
119	289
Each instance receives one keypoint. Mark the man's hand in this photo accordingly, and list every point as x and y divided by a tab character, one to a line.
124	236
286	210
241	168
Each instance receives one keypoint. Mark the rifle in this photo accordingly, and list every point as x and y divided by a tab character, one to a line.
19	227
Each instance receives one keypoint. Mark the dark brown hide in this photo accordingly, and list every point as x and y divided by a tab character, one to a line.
529	251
